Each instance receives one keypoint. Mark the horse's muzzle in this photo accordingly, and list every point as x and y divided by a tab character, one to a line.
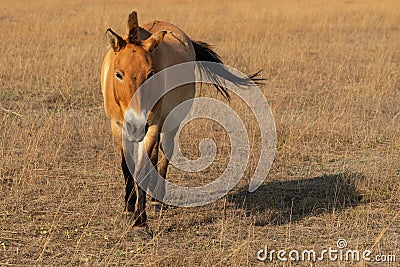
135	127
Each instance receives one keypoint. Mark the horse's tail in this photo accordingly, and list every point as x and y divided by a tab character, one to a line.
219	73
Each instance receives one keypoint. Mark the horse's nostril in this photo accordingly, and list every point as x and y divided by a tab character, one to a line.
146	127
130	128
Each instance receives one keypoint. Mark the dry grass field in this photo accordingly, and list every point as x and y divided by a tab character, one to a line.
332	72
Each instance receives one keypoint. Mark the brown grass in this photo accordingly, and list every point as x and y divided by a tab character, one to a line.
333	83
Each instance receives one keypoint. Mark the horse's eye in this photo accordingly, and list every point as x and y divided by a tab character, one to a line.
119	76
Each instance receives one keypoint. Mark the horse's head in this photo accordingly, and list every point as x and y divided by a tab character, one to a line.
133	64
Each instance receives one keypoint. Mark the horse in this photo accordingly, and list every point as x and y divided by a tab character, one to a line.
131	60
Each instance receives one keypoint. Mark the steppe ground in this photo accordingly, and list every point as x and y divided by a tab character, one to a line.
332	71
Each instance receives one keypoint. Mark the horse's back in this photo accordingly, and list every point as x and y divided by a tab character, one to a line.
176	48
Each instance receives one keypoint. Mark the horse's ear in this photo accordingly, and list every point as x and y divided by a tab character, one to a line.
153	41
133	28
116	42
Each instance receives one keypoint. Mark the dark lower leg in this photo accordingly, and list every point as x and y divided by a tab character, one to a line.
140	216
130	193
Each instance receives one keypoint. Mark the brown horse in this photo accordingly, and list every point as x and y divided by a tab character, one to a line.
132	60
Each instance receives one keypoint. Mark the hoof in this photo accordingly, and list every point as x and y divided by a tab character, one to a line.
158	206
134	218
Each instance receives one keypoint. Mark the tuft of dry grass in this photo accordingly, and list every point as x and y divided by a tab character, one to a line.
333	84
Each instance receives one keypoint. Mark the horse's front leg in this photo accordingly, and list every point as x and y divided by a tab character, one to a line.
130	193
145	173
166	148
128	168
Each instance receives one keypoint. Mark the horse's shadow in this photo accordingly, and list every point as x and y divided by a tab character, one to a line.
281	202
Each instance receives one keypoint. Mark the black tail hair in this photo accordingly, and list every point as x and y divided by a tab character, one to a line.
205	53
